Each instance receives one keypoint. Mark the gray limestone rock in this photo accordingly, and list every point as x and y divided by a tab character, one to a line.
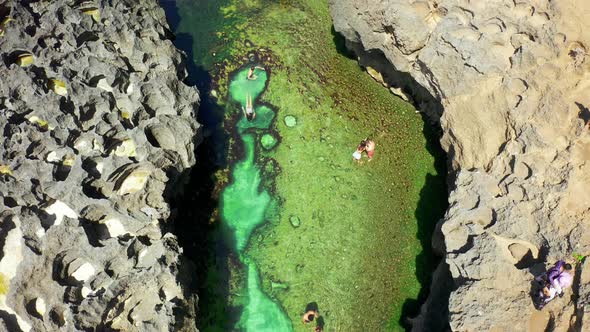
82	85
505	82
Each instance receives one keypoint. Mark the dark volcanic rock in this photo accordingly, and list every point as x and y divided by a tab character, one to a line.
86	88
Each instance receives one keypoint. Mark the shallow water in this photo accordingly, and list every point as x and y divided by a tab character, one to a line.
300	222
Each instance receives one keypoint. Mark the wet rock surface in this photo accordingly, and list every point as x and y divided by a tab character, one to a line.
97	129
507	82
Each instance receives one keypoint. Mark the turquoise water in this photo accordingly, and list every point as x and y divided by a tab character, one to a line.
244	204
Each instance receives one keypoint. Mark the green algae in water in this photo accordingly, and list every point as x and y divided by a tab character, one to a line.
262	314
268	141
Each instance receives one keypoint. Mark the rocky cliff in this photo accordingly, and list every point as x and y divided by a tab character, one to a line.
507	82
97	129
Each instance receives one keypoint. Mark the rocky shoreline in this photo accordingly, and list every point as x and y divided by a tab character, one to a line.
506	81
99	130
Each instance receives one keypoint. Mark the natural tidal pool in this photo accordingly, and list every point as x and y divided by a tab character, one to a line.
278	215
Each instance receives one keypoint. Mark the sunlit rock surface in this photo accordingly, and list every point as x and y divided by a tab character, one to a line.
89	96
508	83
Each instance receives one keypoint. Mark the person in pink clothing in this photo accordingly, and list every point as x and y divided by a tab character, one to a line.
370	148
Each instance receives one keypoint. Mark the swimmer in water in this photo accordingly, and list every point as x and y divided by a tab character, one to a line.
251	76
249	110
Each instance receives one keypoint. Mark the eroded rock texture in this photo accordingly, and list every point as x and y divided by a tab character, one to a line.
97	128
508	81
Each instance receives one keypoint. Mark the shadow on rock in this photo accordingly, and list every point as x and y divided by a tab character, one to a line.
196	222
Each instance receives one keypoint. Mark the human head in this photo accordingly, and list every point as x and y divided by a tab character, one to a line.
252	67
546	292
567	266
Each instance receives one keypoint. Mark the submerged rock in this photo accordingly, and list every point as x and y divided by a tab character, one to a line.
268	141
290	121
295	221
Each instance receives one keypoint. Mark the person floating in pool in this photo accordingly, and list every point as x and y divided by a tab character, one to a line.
251	76
249	110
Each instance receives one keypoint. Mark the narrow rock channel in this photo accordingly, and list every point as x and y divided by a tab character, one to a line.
319	228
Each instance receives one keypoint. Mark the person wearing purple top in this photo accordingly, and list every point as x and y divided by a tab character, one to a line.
558	278
553	282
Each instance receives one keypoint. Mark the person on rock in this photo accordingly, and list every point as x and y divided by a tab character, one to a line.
249	110
251	76
558	278
309	316
370	148
357	155
554	282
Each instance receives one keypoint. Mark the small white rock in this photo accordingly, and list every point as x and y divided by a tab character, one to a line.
52	157
114	227
84	272
60	210
85	291
40	232
134	182
82	145
103	84
40	307
125	148
100	167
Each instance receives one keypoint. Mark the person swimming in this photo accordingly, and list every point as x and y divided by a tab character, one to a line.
249	112
251	76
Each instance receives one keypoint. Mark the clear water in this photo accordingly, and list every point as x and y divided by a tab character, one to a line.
301	222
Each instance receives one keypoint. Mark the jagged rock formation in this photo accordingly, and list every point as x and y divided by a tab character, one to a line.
508	82
97	128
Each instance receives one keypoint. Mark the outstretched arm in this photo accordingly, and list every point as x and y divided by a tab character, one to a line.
557	286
